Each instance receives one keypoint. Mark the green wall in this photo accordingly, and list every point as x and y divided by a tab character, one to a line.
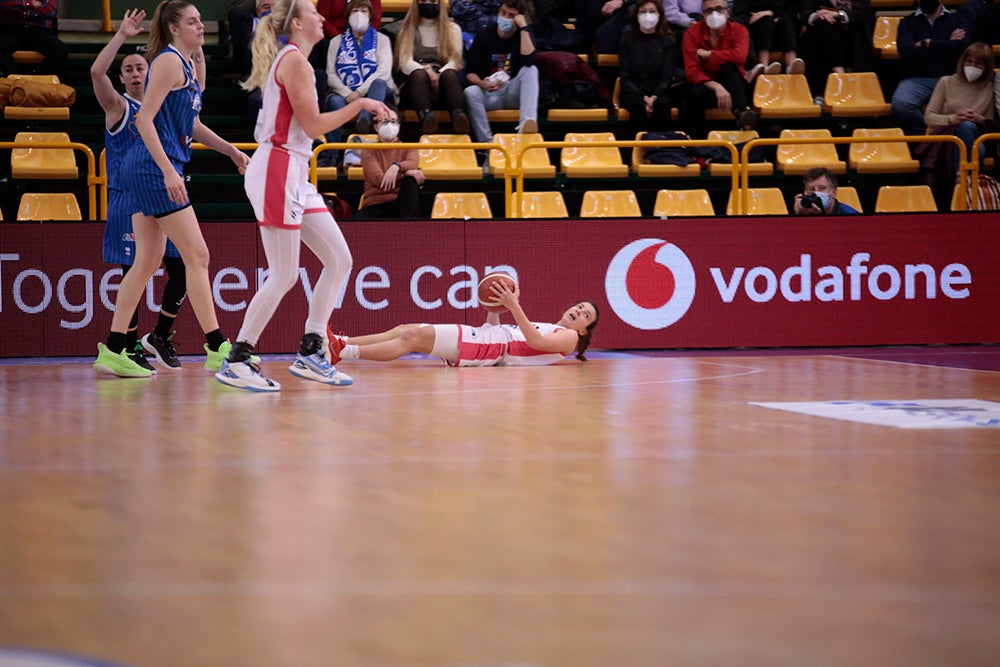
211	10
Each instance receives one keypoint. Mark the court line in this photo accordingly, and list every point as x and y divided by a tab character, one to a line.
909	363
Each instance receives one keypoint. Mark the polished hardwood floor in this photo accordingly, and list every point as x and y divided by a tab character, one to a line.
634	510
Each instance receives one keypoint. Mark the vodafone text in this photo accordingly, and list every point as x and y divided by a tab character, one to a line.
429	288
881	281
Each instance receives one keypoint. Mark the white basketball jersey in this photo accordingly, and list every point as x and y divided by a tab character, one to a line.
276	124
519	353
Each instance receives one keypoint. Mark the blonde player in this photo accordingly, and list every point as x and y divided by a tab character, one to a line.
525	343
288	208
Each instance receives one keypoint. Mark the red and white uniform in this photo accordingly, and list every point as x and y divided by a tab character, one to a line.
277	178
499	345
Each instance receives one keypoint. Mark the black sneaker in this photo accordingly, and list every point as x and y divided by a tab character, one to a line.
363	125
746	119
459	122
163	350
139	357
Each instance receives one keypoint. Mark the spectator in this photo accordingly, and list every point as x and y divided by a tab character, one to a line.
772	28
819	195
336	15
715	49
31	25
963	103
473	16
681	14
244	15
838	37
602	22
429	56
646	61
930	41
502	71
358	64
392	177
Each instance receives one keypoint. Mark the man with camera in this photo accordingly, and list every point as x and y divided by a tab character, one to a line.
820	195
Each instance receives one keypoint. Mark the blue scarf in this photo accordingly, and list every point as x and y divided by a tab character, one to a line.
352	69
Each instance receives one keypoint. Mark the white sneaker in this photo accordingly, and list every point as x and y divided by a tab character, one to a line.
754	72
798	66
773	68
529	126
315	367
244	375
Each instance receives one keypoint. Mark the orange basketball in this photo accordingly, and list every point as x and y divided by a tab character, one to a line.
487	299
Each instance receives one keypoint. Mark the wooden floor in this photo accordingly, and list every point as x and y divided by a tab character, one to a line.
635	510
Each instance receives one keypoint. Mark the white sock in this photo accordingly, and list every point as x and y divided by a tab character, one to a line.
350	352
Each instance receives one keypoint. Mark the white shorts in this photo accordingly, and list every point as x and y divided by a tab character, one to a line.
277	185
462	345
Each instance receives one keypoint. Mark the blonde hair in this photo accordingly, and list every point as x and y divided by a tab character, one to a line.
167	13
446	49
266	41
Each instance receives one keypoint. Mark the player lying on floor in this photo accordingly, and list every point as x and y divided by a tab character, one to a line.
525	343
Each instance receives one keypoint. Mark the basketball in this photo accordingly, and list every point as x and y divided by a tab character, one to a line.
487	299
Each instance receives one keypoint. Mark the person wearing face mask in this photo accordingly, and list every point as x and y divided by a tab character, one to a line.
715	49
502	73
646	63
819	196
358	64
392	177
930	41
429	57
963	103
837	38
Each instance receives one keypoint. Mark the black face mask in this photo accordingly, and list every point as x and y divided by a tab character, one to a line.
929	6
429	11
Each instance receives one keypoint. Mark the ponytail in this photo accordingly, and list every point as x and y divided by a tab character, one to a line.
266	42
167	13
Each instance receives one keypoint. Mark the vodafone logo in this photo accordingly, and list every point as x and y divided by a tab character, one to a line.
650	284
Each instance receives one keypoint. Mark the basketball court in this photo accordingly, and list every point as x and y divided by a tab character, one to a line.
761	507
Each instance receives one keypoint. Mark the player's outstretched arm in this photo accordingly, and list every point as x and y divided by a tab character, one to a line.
562	341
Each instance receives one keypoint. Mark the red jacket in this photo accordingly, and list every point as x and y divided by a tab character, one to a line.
733	46
335	18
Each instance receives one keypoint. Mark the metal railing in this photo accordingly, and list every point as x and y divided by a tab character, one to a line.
92	180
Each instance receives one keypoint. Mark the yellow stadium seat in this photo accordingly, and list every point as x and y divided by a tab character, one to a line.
884	36
799	158
451	164
683	203
356	173
881	158
848	195
784	96
34	162
463	205
608	60
588	162
48	206
855	94
11	112
548	204
535	163
645	169
905	199
610	204
594	115
616	98
738	137
504	115
763	201
410	116
28	57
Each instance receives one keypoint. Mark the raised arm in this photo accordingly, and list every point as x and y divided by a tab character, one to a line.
562	341
111	102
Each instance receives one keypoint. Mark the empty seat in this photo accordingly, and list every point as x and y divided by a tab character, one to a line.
737	137
27	57
463	205
35	162
784	96
647	169
48	206
799	158
855	94
881	157
848	195
540	205
590	115
610	204
589	162
884	36
904	199
682	203
763	201
444	163
534	164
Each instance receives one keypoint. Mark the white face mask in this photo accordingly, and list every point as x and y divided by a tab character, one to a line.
648	20
359	21
825	198
388	131
716	20
972	73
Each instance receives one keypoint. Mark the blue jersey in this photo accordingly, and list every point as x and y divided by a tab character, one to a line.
118	140
175	121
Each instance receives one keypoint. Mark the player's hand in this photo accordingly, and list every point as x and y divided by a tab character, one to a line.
175	187
508	298
241	160
131	23
376	108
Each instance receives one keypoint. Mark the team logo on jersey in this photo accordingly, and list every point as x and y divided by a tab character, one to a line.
650	284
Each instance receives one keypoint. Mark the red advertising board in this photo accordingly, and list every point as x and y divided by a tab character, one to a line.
698	283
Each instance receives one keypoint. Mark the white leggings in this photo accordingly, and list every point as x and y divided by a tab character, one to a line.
321	234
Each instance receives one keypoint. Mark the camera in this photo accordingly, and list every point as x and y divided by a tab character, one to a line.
812	200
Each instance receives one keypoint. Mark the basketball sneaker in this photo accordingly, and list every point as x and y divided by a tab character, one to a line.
213	360
138	355
163	350
119	365
336	344
245	375
315	367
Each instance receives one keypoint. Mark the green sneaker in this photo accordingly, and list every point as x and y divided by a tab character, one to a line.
119	365
213	360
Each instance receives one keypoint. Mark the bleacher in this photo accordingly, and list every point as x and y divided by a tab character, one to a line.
856	106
